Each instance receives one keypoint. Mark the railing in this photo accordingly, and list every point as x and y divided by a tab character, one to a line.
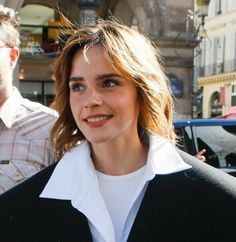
217	68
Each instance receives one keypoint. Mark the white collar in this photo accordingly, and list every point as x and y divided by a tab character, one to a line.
163	157
74	178
8	110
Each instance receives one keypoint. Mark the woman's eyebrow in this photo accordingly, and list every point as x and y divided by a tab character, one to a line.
108	75
76	78
99	77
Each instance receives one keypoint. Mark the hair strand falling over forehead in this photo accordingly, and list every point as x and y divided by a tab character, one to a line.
135	57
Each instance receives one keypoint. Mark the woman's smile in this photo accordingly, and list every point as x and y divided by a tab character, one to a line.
97	120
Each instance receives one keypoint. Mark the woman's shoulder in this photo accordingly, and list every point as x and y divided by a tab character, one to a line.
206	174
23	212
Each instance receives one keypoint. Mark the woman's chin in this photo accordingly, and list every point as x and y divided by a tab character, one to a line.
98	140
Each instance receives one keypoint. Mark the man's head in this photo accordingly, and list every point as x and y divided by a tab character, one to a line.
9	27
9	52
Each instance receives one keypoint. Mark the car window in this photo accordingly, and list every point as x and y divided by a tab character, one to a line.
220	144
184	140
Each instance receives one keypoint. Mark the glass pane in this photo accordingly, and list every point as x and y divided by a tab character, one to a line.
49	93
220	144
31	90
185	141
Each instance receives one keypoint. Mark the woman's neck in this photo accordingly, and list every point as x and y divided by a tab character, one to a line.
119	158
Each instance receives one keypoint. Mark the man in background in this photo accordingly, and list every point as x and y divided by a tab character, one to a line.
24	125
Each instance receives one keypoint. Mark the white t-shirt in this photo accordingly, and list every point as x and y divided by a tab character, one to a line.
118	193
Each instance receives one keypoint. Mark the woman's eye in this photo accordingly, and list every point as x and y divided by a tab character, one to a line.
77	87
110	83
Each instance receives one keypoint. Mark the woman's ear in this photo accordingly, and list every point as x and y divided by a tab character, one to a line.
14	55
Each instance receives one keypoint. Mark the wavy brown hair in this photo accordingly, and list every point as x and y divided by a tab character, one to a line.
133	55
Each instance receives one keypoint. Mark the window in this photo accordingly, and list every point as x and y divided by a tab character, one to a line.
201	58
219	142
216	108
218	7
39	31
87	16
233	95
185	140
38	91
209	56
202	52
199	102
134	24
234	45
176	85
218	55
88	11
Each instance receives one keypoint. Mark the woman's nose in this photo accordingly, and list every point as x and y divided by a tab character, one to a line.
93	98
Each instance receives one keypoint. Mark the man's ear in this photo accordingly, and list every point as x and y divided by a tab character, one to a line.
14	55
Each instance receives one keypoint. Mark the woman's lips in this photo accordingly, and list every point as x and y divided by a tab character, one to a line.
97	120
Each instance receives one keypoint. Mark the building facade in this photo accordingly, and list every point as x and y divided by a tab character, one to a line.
216	61
164	21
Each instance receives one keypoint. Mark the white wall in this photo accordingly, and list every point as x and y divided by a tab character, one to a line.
231	5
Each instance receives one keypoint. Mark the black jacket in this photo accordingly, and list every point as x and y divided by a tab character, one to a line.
197	204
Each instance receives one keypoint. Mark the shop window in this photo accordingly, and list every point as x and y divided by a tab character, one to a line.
40	29
38	91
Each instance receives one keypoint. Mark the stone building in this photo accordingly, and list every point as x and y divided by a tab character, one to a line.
164	21
217	60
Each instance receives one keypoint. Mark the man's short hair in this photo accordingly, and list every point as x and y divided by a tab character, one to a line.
9	27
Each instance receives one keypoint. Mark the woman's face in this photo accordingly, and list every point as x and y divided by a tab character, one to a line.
103	103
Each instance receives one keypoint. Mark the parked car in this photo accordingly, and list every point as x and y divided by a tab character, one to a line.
217	136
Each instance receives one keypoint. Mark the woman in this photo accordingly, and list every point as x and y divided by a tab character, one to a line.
120	177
